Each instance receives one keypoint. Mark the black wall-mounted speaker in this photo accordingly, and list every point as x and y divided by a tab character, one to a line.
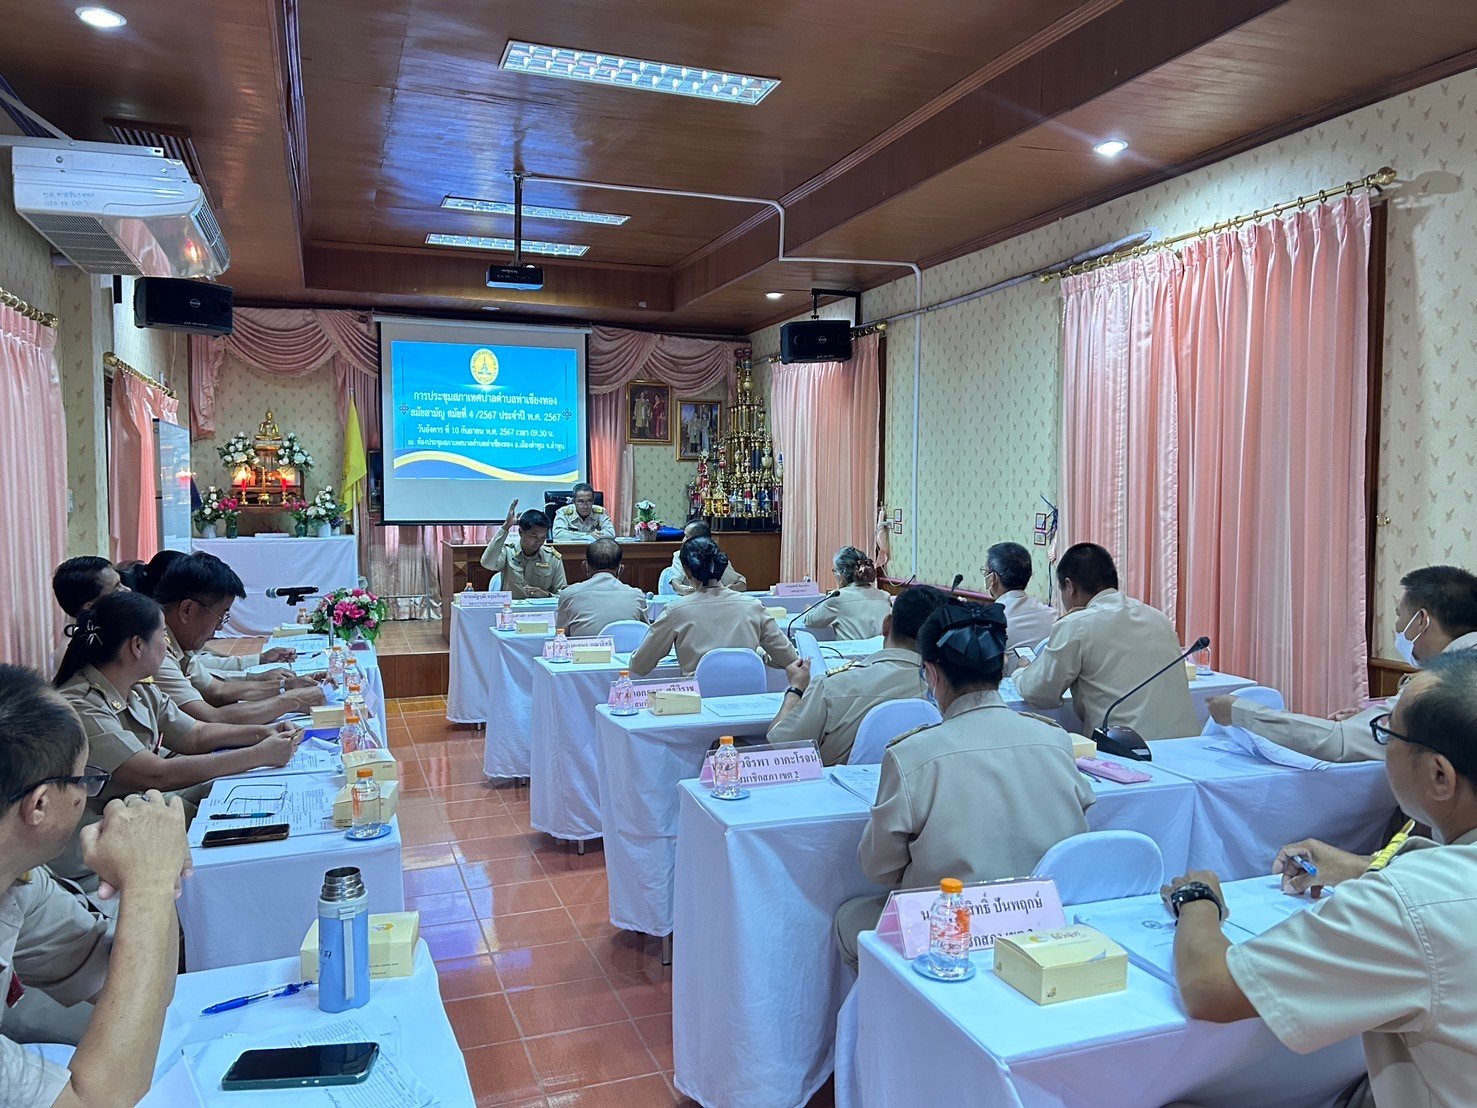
815	340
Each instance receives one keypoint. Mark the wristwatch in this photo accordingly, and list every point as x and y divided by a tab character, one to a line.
798	692
1192	891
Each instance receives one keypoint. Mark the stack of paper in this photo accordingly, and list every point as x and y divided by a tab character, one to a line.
755	706
862	781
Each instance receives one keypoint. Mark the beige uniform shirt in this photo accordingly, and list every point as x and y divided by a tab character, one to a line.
568	527
1027	620
981	796
173	678
710	619
856	614
543	571
1389	956
53	941
204	664
833	706
586	608
1348	740
1103	650
732	578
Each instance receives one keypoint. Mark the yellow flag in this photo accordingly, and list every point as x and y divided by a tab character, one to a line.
356	467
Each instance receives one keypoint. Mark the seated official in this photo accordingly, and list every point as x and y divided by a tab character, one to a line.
587	607
709	617
196	594
982	795
827	709
1391	956
52	940
732	578
584	520
79	581
1436	613
117	646
533	570
1007	571
862	608
1104	646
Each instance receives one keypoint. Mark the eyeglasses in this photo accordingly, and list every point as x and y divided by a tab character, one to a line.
221	618
1382	734
94	781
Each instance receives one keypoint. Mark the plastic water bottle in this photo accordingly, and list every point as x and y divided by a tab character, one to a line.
505	616
351	734
336	664
726	771
623	695
367	821
560	651
948	931
343	941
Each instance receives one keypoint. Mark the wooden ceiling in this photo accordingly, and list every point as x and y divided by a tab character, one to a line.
330	132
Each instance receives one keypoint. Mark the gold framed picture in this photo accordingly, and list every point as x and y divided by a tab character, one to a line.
648	413
699	427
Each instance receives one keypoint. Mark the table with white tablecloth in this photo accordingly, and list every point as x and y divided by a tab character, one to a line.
365	655
422	1041
268	561
1201	690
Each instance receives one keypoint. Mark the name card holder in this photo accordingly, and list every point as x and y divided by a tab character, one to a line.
796	588
995	908
484	599
776	764
643	691
594	650
534	625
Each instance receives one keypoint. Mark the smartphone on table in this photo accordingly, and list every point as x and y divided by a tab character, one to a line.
236	836
301	1067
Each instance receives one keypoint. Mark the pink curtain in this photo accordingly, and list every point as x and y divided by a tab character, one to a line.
33	488
133	466
825	424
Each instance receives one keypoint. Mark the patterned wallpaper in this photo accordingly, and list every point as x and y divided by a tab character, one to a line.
991	368
85	332
661	478
25	257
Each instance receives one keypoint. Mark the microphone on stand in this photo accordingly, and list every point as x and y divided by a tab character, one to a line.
790	627
958	577
293	594
1125	741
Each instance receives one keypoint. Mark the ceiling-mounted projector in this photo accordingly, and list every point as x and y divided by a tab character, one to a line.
526	278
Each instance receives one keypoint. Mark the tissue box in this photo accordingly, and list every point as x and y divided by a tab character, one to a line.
327	715
780	614
1070	963
392	939
290	630
1190	671
1083	747
343	804
671	702
592	655
533	627
381	761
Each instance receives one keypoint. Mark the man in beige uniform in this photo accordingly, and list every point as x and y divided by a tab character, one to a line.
584	520
829	709
982	795
1104	646
1436	613
587	607
732	578
1390	956
533	568
1007	572
52	940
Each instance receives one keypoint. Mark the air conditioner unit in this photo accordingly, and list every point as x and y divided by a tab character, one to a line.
118	209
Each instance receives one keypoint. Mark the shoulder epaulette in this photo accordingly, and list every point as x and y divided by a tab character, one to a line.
1042	719
598	509
841	668
910	734
554	550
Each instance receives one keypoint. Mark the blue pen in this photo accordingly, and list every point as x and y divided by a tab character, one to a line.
242	815
1303	862
242	1001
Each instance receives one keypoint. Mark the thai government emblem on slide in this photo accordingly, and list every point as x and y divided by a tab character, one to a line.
484	366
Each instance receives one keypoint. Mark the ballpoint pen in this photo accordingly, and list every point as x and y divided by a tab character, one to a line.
242	1001
242	815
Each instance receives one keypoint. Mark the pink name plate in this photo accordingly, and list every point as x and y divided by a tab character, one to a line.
644	690
484	599
995	908
780	764
797	588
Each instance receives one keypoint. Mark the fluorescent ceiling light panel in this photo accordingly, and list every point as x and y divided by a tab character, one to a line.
530	246
531	211
614	70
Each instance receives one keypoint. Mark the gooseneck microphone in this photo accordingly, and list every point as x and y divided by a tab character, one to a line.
958	577
1125	741
293	594
790	627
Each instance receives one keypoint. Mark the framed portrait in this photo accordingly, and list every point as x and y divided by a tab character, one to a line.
648	413
699	427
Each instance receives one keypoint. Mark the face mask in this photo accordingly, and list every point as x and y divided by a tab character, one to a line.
1405	646
923	674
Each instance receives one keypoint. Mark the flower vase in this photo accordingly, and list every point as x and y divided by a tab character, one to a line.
207	531
300	530
233	528
325	530
338	528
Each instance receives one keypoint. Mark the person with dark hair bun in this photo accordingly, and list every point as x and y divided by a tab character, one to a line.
861	608
982	795
730	579
709	618
534	569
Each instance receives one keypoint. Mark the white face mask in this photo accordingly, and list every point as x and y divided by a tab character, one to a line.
1406	646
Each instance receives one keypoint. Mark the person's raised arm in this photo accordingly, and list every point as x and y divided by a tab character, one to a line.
493	553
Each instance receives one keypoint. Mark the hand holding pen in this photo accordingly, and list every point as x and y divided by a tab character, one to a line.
1310	866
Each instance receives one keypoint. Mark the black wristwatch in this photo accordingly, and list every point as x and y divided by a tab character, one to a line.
798	692
1191	892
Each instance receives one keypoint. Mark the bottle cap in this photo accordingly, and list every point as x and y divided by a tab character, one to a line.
726	740
558	630
625	673
951	885
351	713
364	772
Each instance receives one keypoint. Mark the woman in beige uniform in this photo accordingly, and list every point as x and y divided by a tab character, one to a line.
710	618
859	609
107	674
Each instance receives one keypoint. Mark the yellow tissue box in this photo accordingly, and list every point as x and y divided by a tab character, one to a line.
291	630
673	702
327	715
592	655
533	627
1083	747
392	939
343	804
1070	963
381	761
780	614
1190	671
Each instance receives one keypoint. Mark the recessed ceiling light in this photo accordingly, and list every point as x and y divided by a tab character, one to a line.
612	69
1110	149
531	211
773	295
530	246
101	18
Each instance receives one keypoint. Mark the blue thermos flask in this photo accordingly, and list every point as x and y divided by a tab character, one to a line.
343	941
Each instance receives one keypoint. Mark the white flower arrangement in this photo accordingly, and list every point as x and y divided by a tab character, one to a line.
237	451
293	453
216	506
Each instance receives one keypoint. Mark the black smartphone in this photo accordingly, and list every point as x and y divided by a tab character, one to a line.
235	836
299	1067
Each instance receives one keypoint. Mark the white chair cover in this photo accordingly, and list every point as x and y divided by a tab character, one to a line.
1104	865
627	634
1266	697
730	671
886	722
664	582
809	648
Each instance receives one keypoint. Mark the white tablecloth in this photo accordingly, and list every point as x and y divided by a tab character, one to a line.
1201	690
427	1045
264	561
508	707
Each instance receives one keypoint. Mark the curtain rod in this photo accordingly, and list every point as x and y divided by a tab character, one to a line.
10	300
112	361
1377	180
